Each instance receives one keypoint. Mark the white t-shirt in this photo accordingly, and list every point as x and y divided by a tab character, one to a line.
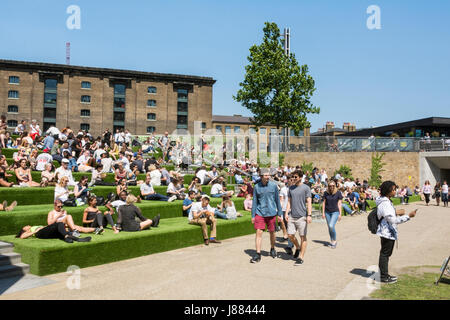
201	174
197	206
117	204
59	190
217	188
171	188
61	172
146	189
284	194
53	131
445	188
350	184
155	176
42	160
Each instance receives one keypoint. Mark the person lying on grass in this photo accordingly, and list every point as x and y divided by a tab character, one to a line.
53	231
4	206
128	213
94	218
60	215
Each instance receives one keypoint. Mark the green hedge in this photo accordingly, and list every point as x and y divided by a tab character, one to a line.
37	196
11	222
53	256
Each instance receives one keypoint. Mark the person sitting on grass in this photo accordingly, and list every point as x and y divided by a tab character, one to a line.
94	218
120	173
64	171
176	189
128	213
202	214
196	186
60	215
248	202
148	193
53	231
81	190
226	210
4	178
218	191
4	206
47	176
23	175
188	203
98	177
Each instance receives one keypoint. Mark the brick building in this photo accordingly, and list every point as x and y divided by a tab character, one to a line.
95	99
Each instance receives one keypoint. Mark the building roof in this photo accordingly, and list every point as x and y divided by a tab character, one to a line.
426	122
237	119
103	72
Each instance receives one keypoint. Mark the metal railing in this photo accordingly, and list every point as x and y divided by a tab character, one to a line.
271	143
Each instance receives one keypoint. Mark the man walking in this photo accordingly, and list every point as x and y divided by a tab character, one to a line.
265	208
298	214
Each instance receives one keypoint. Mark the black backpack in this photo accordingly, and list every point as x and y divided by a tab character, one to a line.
373	221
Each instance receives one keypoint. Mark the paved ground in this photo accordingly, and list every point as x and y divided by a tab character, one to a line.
224	272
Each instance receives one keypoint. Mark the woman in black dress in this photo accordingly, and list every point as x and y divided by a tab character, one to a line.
128	214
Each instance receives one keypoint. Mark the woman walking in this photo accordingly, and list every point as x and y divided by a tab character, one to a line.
332	210
387	229
437	193
445	193
426	190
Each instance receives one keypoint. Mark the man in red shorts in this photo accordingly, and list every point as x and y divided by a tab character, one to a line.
265	208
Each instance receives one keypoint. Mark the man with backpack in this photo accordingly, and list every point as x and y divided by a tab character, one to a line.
383	222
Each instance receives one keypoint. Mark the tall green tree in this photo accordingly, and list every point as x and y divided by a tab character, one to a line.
377	167
276	89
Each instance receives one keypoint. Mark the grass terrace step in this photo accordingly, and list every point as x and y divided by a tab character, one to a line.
36	215
53	256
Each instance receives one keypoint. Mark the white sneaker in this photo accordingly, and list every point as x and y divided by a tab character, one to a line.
172	199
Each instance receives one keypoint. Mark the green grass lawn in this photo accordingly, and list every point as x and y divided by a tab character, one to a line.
416	283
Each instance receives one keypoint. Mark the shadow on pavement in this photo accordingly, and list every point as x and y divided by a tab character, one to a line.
7	283
325	243
280	254
362	272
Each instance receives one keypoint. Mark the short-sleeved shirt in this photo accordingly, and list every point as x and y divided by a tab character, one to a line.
187	202
284	193
146	189
197	206
42	160
298	196
331	201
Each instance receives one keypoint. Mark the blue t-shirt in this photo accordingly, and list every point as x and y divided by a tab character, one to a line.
187	202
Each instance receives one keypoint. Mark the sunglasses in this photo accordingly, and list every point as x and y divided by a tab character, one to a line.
59	206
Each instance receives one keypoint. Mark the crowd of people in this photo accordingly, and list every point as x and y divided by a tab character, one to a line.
278	198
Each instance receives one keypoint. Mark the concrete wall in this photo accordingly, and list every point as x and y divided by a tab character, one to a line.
399	166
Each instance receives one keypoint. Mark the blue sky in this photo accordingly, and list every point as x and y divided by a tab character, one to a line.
368	77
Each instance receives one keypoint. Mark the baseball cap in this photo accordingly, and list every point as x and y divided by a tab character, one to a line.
206	197
65	160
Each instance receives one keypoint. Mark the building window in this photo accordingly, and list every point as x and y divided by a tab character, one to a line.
12	123
85	85
182	115
85	126
227	129
300	134
14	80
119	106
219	129
85	113
51	83
151	103
262	131
252	130
13	94
85	99
151	116
237	129
204	125
50	114
13	109
151	90
50	98
151	130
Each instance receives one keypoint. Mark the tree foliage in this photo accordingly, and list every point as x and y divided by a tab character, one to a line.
344	171
377	168
276	89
